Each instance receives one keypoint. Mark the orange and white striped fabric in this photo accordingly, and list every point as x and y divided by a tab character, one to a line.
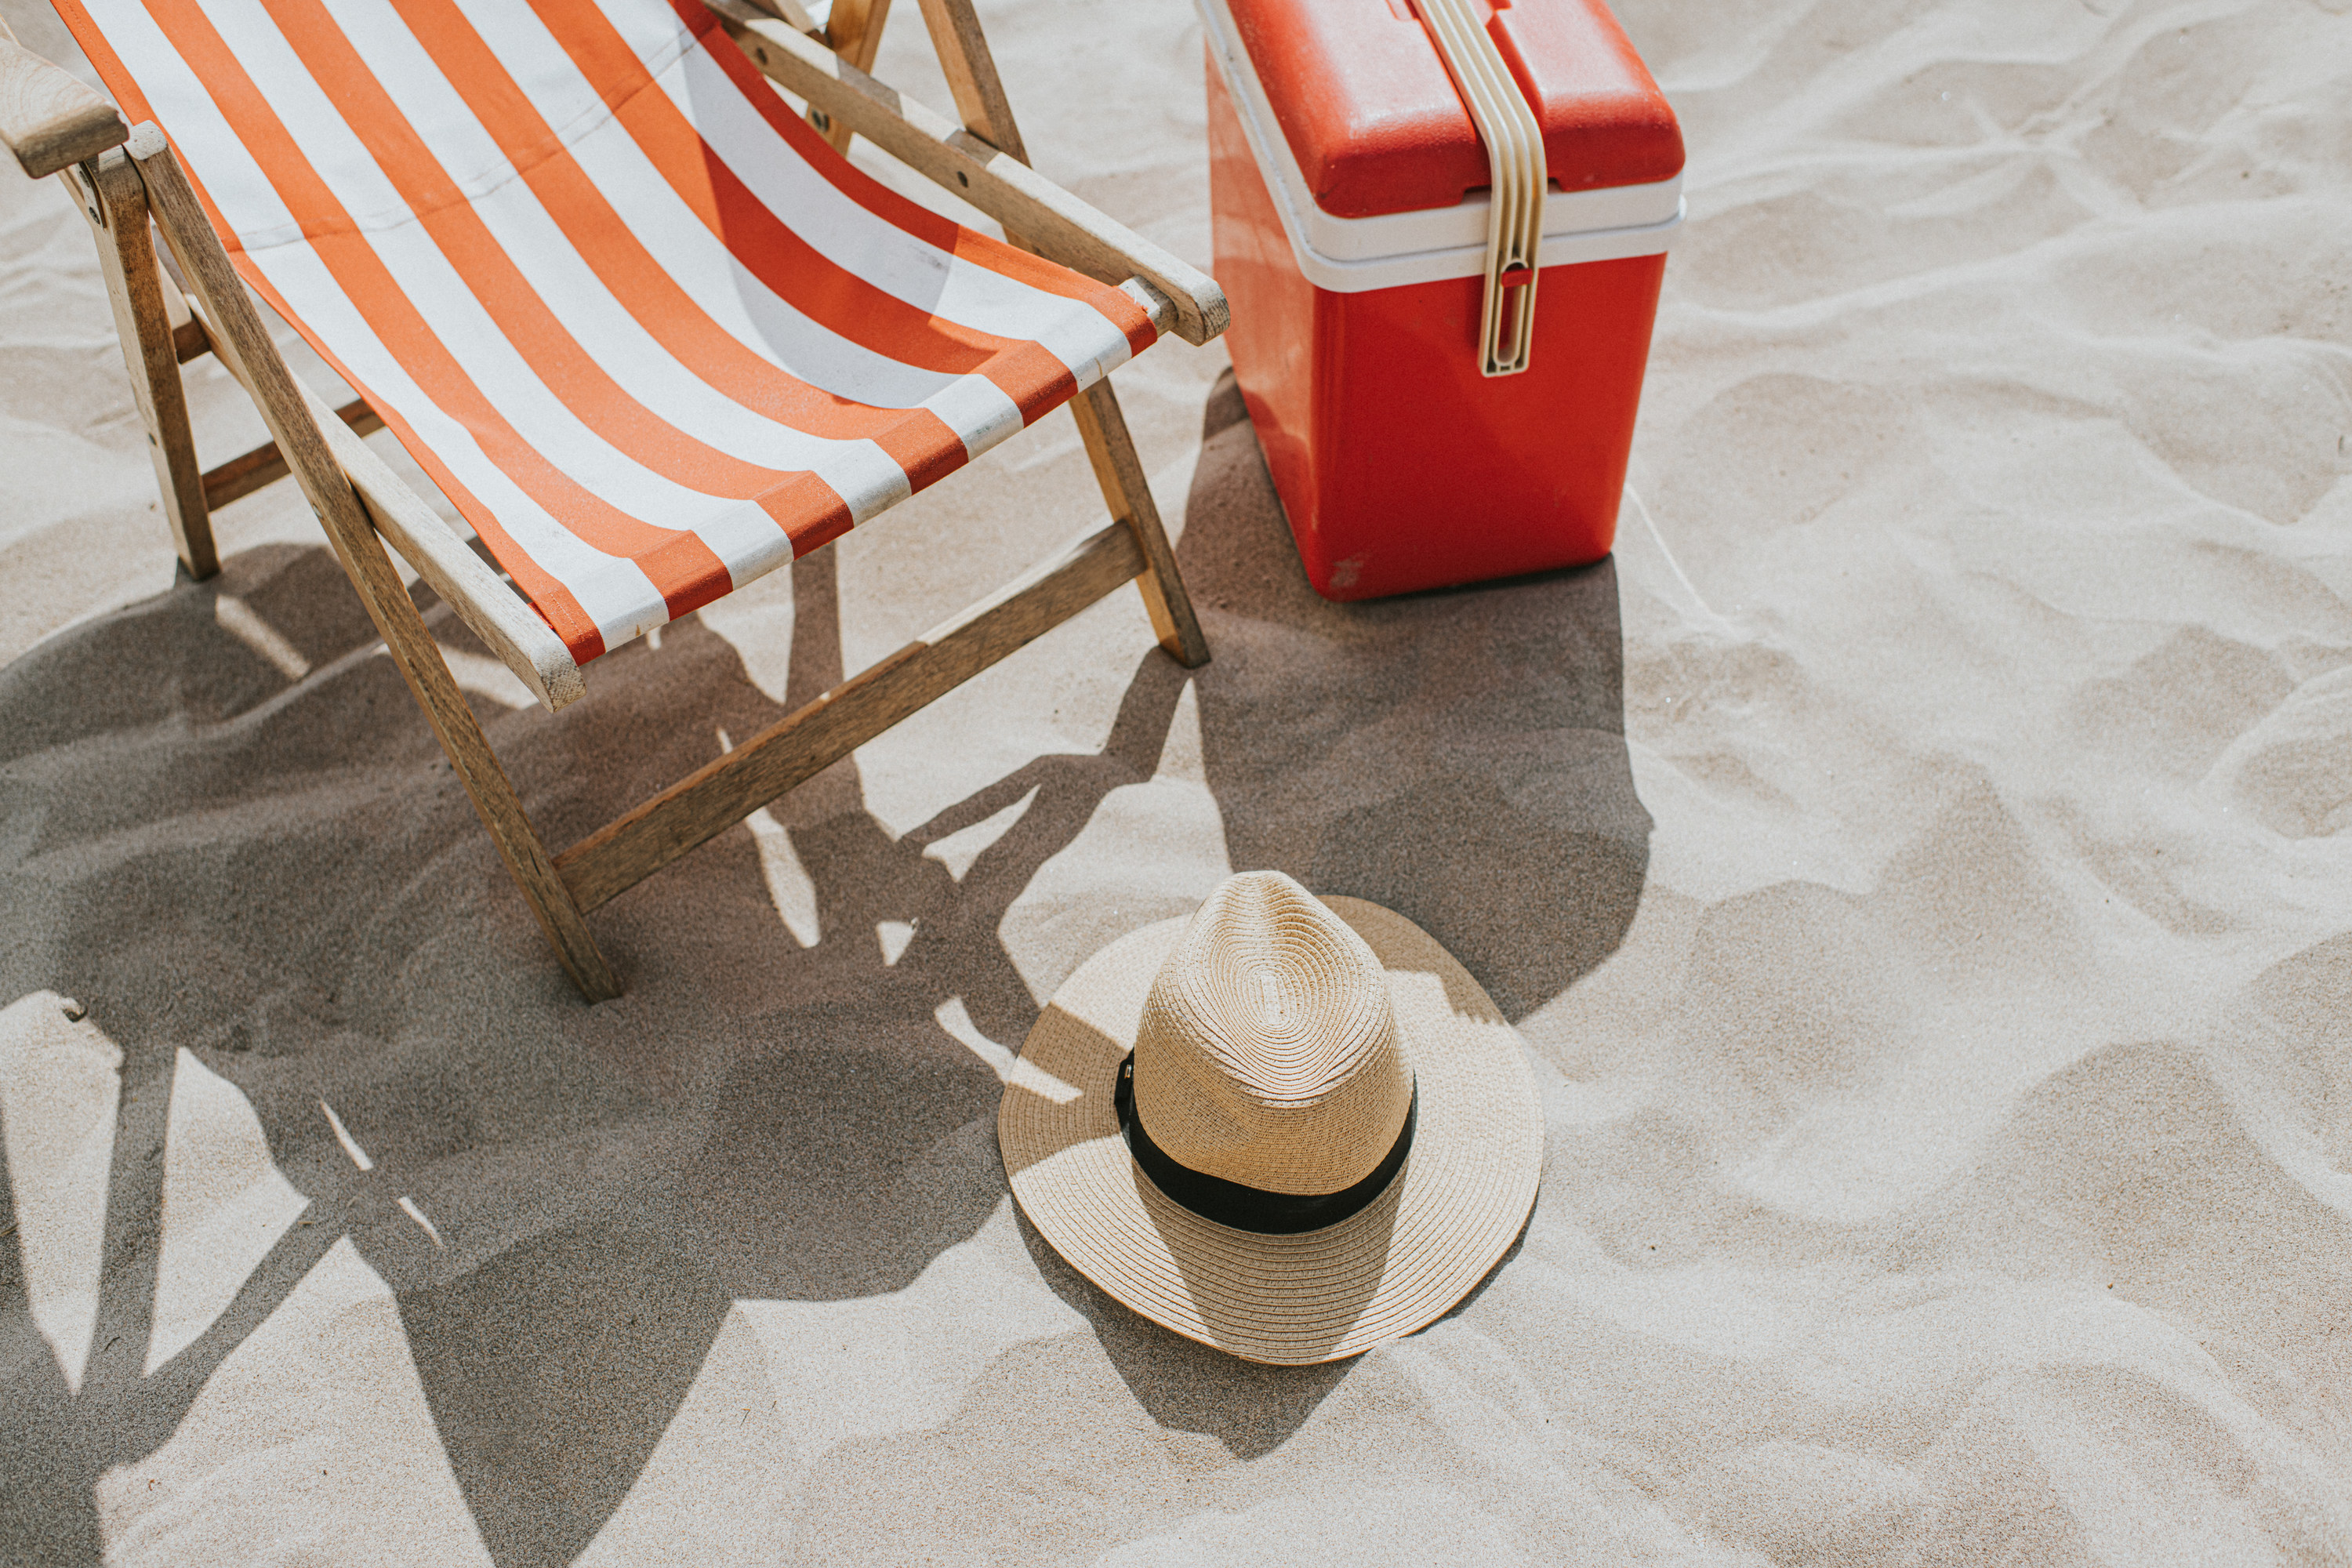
647	331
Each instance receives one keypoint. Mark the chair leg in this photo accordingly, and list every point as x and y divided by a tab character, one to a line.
1129	493
477	767
243	345
981	103
970	70
126	251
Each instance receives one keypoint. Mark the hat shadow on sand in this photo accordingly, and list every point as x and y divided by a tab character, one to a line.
1185	1385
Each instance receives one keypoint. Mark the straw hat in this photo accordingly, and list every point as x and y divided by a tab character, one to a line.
1287	1128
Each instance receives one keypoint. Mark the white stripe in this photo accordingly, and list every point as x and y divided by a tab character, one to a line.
579	299
852	238
651	29
230	176
848	234
976	409
613	590
845	232
779	332
773	327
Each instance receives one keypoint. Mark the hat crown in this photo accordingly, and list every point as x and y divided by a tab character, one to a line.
1268	1052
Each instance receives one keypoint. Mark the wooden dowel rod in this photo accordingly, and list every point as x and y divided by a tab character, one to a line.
807	740
852	29
265	465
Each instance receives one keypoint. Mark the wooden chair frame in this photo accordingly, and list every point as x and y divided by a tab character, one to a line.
124	176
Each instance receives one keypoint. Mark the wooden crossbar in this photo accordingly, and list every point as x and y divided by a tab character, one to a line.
265	465
812	738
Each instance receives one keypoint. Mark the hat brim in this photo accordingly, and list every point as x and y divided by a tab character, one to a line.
1396	1266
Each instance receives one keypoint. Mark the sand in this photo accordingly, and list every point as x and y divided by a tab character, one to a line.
1917	863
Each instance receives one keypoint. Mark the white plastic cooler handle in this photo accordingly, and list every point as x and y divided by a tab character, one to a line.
1515	163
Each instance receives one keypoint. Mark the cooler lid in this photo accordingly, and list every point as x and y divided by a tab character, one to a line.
1617	192
1376	127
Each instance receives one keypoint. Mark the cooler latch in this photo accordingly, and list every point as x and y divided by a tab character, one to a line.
1515	163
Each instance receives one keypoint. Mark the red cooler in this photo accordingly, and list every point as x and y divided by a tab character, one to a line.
1415	443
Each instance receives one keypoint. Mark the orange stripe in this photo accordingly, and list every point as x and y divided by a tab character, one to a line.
649	293
505	291
840	300
686	571
555	603
362	276
127	96
132	101
1028	374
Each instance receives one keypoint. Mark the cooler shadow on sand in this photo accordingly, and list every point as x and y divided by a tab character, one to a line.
1186	1386
1457	756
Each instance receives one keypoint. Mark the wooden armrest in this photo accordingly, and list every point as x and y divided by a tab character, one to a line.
49	121
1039	213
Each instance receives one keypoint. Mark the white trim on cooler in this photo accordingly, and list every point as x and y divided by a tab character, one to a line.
1351	255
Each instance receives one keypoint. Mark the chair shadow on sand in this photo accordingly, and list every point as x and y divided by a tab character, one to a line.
258	855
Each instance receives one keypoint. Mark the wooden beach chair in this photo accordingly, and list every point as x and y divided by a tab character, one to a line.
638	319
